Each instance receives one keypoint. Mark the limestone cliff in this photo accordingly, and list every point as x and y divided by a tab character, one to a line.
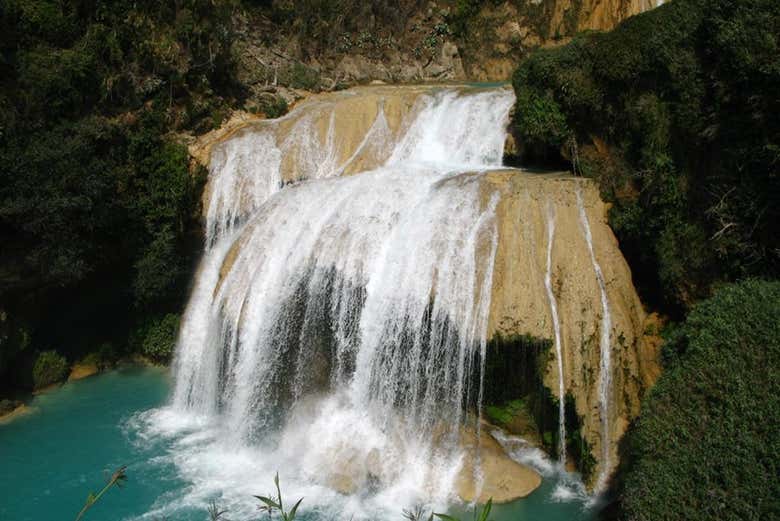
519	304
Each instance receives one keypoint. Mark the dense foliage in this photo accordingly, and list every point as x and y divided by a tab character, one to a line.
341	24
157	337
98	202
706	445
50	368
674	112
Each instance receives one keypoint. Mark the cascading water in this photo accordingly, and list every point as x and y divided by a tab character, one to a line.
337	324
605	369
557	337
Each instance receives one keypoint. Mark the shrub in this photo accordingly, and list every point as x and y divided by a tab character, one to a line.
104	358
158	337
274	107
50	368
303	77
541	119
706	445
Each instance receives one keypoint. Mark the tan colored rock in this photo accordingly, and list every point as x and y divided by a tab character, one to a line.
18	411
503	479
520	306
80	371
510	145
200	148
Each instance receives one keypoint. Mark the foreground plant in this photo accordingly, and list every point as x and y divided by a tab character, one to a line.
479	515
216	512
271	504
418	513
118	478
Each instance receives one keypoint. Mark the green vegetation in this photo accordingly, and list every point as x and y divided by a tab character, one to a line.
275	503
117	479
462	14
673	113
157	337
50	368
706	445
342	24
577	447
503	414
98	202
272	106
303	77
104	358
480	514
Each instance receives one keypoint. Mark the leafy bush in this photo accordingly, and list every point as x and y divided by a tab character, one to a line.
50	368
672	112
158	337
706	444
323	24
303	77
104	358
273	106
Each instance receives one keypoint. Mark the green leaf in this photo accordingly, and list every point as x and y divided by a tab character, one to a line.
445	517
278	491
268	501
291	515
486	510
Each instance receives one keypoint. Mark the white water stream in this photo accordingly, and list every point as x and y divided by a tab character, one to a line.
557	337
605	347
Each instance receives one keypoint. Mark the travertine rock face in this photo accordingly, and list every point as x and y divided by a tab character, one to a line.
520	305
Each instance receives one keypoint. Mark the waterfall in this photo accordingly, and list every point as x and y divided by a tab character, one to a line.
605	369
338	324
557	337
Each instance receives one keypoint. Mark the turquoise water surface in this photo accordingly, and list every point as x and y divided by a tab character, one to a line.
75	436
